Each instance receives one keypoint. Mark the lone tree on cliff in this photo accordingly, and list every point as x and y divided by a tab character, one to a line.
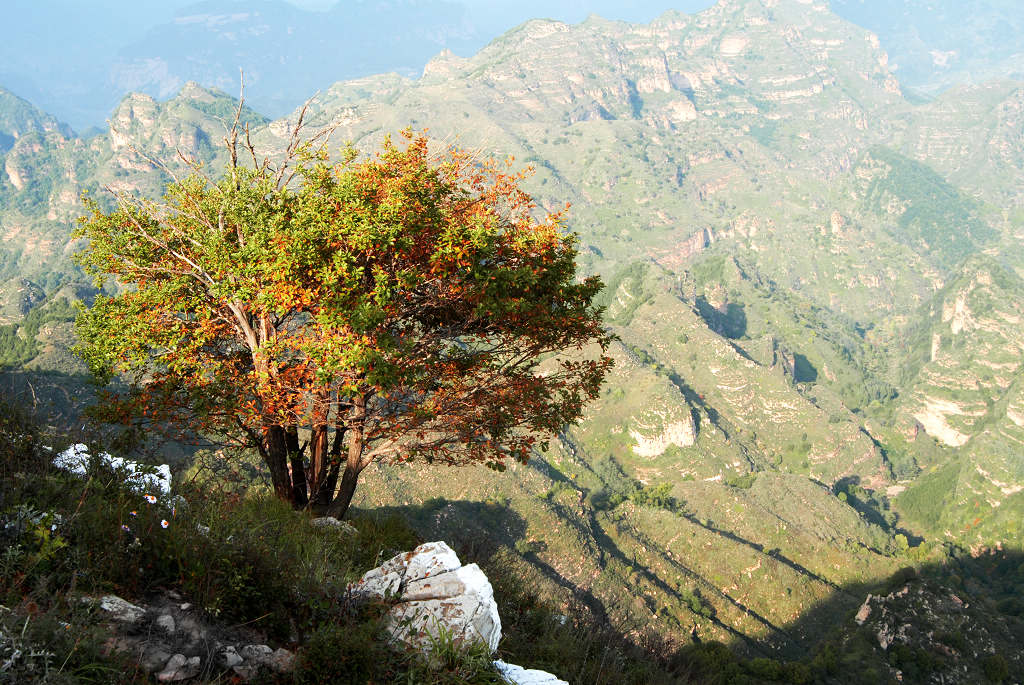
398	306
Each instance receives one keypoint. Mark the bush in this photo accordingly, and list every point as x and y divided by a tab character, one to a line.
744	482
656	496
995	668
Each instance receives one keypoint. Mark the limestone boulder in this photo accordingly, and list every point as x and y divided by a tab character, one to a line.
121	610
517	675
331	523
434	593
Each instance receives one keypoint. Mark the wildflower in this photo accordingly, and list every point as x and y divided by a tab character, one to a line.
126	528
164	523
150	498
133	512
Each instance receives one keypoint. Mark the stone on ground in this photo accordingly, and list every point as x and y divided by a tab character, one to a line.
434	593
517	675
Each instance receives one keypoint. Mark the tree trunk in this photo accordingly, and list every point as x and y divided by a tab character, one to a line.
275	454
319	460
343	499
332	476
299	497
354	463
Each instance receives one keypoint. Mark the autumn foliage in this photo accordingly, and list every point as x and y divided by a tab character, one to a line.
403	306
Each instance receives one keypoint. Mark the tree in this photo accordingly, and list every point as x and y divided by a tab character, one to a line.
402	306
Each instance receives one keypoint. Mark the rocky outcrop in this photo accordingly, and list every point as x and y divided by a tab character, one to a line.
934	418
432	592
137	112
929	618
655	432
121	610
331	523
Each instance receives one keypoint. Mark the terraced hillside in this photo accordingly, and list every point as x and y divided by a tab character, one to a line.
816	285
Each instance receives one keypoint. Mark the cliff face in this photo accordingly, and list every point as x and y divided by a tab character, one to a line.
652	442
975	353
46	169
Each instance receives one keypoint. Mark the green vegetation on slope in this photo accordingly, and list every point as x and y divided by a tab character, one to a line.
932	215
19	342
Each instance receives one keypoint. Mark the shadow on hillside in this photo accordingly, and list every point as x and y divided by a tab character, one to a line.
61	401
803	370
478	530
729	321
50	397
757	547
940	622
945	617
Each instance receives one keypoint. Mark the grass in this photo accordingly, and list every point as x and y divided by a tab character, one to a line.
246	559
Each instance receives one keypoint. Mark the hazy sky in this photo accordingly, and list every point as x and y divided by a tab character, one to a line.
62	54
566	10
77	58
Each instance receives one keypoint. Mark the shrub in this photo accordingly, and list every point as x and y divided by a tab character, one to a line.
995	668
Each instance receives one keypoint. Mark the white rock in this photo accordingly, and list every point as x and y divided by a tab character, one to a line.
863	612
154	658
257	656
517	675
257	653
165	623
460	601
431	558
76	459
229	657
281	661
180	667
120	609
434	592
329	522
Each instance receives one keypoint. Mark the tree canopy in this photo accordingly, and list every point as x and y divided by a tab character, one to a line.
405	305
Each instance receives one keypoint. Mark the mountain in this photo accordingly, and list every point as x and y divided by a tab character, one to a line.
287	53
814	280
18	117
935	45
78	60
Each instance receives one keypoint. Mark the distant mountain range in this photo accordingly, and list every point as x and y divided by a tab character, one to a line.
77	60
